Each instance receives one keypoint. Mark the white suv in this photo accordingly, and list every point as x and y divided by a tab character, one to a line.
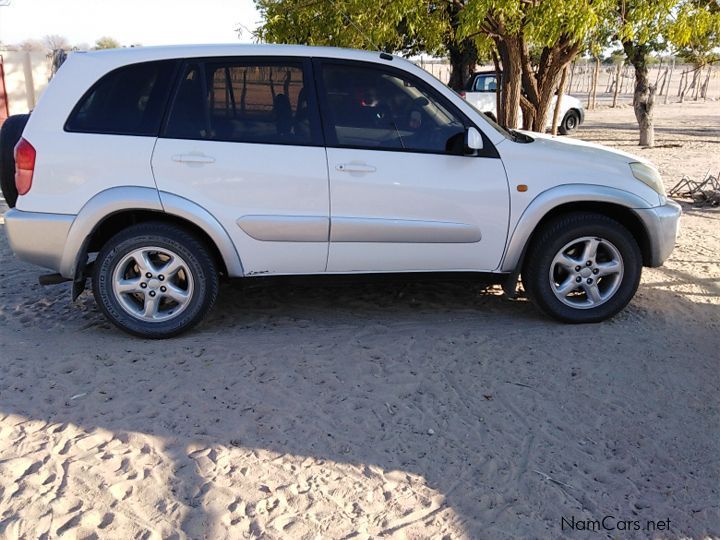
153	171
481	91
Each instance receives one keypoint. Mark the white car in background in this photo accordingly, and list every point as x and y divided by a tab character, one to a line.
481	92
153	171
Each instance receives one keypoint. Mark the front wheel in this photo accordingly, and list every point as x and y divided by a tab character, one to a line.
155	280
582	268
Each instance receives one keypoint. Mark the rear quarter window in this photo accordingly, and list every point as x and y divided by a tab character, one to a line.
130	100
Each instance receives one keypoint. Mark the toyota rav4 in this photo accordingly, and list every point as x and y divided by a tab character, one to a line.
154	171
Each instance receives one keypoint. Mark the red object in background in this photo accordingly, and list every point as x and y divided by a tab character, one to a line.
4	112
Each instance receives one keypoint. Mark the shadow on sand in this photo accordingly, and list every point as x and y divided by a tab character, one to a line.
513	419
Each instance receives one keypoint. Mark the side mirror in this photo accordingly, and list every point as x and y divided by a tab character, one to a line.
473	139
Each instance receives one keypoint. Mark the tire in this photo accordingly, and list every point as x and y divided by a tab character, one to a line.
10	134
550	273
570	122
182	275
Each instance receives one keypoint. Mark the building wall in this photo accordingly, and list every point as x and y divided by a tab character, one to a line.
26	77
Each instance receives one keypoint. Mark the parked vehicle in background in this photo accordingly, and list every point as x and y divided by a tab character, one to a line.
153	171
481	92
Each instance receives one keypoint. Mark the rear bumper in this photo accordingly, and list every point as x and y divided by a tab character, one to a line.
38	238
662	224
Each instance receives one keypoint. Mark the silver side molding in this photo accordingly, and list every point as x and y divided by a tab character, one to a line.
355	229
286	228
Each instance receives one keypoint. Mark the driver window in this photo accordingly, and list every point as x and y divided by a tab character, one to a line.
372	108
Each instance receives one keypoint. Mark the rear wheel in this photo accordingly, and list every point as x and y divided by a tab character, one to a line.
155	280
582	268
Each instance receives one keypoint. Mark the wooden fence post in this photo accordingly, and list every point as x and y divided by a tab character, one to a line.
667	90
617	83
596	74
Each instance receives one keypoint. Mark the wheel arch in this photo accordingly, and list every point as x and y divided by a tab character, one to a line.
611	202
112	210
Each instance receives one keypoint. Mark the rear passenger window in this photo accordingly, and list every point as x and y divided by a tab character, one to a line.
251	102
128	101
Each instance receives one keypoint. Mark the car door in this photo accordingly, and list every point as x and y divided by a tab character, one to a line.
243	140
404	194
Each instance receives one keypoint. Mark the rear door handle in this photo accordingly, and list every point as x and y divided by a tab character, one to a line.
193	158
355	167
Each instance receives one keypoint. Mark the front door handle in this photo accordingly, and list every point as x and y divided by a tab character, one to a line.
193	158
355	168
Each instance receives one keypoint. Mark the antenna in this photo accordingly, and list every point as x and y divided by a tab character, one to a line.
350	21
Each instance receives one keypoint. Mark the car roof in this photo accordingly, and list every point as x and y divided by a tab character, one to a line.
167	52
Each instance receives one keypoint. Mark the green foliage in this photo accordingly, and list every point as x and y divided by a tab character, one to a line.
543	22
398	25
695	31
107	43
643	22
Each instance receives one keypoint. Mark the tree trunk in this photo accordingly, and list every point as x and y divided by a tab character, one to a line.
644	94
558	103
617	83
696	83
682	85
463	58
498	93
664	80
463	54
511	80
703	91
542	107
540	80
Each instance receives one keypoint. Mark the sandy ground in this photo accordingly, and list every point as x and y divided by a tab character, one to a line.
410	410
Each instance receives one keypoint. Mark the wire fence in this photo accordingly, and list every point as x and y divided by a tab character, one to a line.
674	82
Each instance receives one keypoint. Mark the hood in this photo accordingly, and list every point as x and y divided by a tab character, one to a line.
571	102
584	150
551	161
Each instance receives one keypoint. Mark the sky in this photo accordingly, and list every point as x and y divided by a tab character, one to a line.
148	22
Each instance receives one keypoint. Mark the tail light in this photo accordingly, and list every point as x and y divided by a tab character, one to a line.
24	166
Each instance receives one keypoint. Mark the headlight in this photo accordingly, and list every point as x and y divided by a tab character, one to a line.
649	176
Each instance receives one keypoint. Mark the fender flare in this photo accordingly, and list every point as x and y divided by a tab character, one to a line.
196	214
551	199
125	198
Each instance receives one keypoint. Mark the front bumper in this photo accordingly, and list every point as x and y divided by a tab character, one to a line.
662	224
38	238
